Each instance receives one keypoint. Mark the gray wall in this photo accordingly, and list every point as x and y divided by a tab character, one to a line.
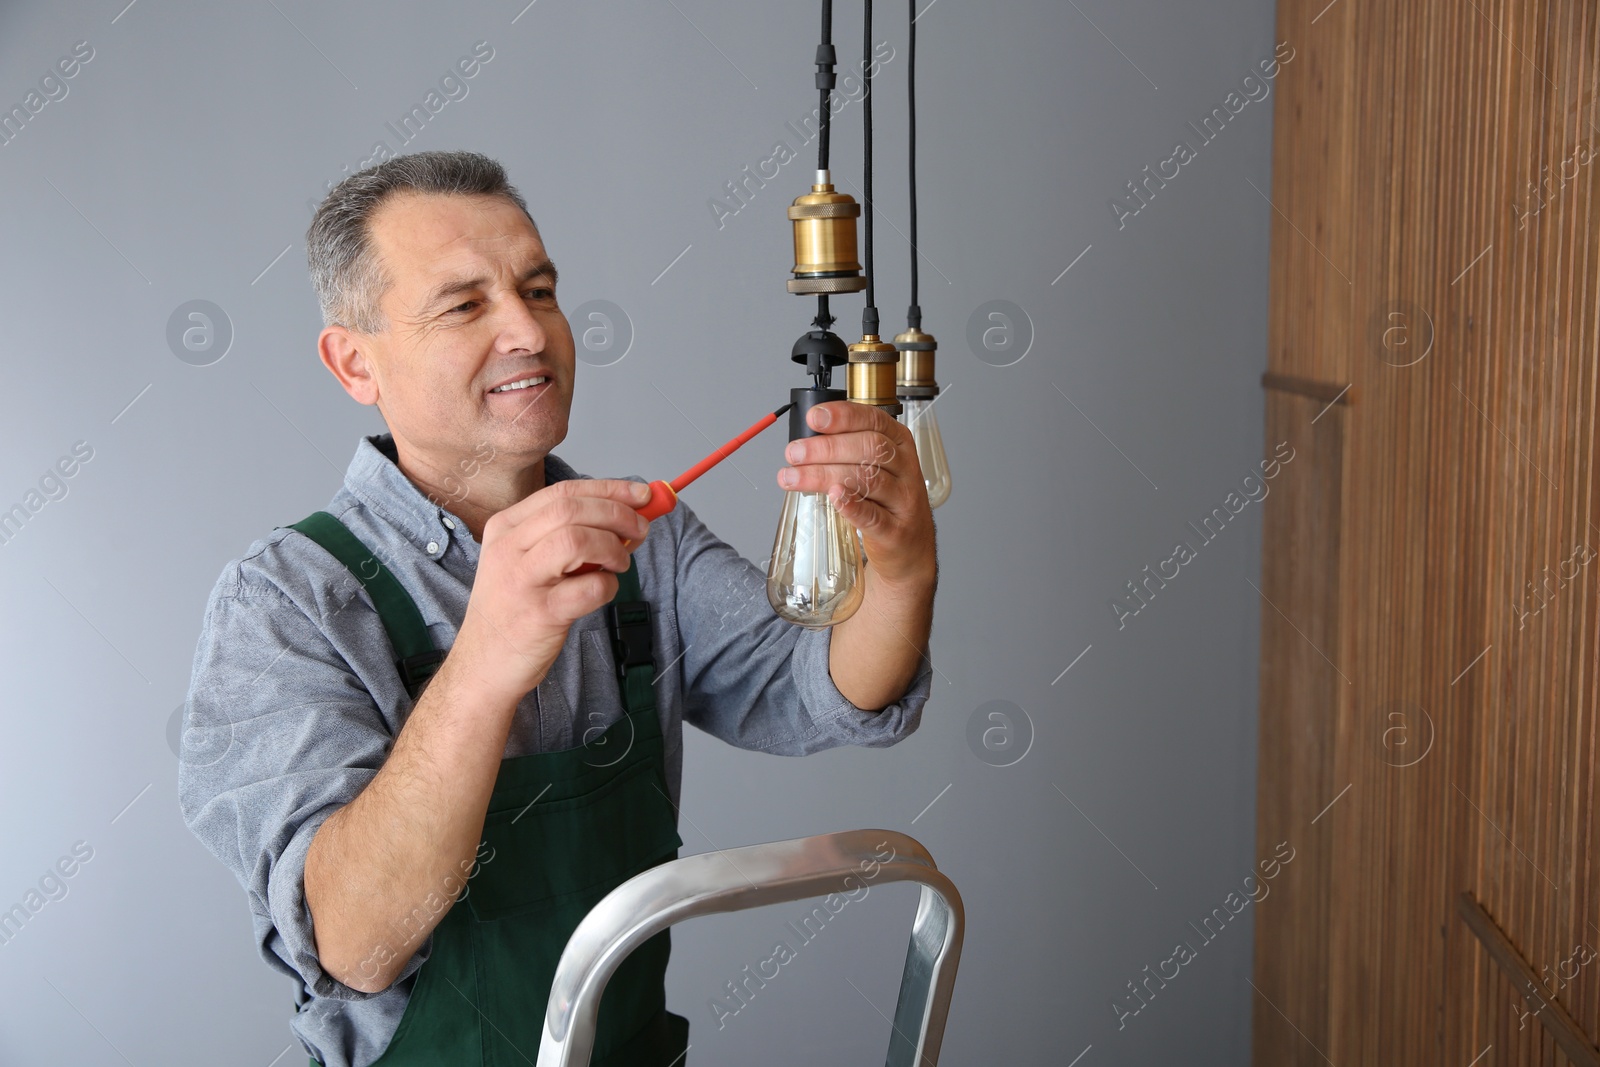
179	165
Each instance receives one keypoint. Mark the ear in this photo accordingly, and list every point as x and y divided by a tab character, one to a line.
344	353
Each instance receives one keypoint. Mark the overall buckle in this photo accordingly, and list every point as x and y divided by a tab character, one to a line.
632	643
415	670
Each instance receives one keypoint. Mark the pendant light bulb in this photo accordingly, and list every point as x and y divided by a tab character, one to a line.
814	576
918	390
915	384
924	426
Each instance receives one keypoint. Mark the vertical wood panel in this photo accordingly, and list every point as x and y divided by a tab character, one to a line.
1407	133
1300	679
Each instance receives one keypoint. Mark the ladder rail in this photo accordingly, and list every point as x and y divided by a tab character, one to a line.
750	877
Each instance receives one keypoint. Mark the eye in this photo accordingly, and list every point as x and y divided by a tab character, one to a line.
541	293
467	306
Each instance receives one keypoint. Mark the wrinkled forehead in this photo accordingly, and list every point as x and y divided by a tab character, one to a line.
422	239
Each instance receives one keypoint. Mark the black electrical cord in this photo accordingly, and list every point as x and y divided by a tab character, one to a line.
826	59
869	314
824	317
914	312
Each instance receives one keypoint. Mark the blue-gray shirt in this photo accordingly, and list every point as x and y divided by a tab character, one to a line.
295	699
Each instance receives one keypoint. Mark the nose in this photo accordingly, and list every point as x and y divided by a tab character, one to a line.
517	328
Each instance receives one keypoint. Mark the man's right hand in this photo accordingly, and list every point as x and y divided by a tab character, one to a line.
407	835
525	596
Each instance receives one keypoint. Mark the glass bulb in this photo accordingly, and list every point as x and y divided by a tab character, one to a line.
918	417
814	576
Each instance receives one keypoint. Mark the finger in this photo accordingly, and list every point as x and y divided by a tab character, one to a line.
622	491
859	446
560	553
578	595
843	416
863	513
855	479
601	513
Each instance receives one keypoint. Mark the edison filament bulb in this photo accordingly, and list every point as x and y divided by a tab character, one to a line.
814	578
919	418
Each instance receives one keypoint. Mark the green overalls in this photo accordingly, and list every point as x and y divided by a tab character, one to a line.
565	828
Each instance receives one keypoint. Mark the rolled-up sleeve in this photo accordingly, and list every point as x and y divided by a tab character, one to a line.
758	681
279	733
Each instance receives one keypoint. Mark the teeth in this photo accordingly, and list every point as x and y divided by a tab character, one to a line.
525	383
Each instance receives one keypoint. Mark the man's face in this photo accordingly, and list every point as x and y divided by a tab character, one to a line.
470	306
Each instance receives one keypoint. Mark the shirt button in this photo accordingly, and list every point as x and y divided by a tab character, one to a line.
433	546
449	523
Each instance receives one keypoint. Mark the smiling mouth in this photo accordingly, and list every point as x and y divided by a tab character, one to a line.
518	386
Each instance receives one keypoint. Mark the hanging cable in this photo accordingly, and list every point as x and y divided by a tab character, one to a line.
869	314
914	312
873	361
824	238
826	59
824	318
824	218
825	81
915	384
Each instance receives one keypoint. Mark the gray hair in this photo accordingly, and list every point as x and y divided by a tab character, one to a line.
344	268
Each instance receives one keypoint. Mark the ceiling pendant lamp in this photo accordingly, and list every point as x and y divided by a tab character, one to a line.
915	383
814	575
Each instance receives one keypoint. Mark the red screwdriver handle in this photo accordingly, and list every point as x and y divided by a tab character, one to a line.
662	500
664	495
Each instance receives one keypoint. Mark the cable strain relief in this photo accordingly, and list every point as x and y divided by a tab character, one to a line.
914	317
826	58
869	320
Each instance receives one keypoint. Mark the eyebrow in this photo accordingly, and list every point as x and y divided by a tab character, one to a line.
454	286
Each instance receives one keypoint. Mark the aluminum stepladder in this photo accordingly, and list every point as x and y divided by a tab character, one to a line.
751	877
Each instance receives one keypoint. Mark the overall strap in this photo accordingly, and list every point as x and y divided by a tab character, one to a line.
408	634
627	617
632	644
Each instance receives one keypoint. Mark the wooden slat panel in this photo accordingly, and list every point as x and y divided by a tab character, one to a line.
1562	1029
1303	687
1407	133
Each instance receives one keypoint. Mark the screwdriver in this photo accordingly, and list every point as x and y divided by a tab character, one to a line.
664	495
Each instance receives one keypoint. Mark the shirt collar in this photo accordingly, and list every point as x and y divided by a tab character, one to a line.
374	478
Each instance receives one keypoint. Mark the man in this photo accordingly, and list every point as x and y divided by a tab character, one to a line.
418	838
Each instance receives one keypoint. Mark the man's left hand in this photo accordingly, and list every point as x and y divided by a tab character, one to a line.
867	464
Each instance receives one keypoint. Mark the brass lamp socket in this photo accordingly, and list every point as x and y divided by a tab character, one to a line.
872	371
918	351
825	241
